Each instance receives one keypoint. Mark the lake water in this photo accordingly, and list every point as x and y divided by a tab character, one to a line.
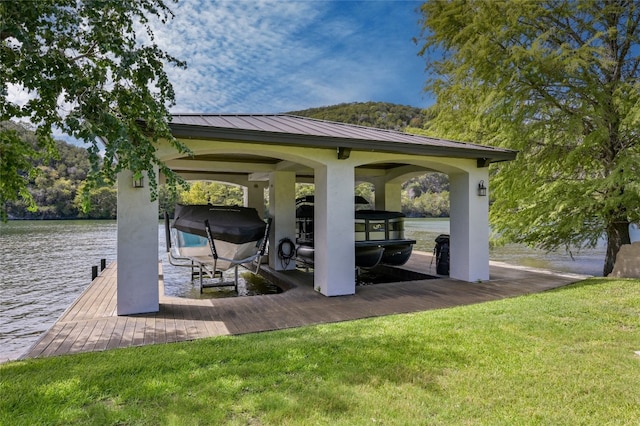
45	265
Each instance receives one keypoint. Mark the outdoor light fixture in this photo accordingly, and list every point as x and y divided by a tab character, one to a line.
139	182
343	153
482	190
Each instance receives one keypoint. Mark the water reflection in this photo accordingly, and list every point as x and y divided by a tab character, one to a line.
178	283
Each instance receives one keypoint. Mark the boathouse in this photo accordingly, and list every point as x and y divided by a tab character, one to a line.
275	151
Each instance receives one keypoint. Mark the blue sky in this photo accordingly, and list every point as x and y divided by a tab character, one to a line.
249	56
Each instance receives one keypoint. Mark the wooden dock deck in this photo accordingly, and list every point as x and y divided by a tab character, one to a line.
91	323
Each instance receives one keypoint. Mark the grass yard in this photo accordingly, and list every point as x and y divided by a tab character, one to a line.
563	357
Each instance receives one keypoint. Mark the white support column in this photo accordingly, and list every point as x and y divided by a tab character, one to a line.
469	224
282	208
137	282
388	195
254	196
334	230
379	187
392	197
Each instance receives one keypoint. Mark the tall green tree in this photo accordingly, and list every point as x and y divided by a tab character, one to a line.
559	81
91	69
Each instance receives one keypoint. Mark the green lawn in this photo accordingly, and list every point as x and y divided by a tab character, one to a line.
563	357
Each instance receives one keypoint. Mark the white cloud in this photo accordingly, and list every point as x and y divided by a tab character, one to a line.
18	95
272	56
275	56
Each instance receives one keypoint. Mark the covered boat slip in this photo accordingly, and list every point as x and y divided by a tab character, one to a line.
213	239
273	152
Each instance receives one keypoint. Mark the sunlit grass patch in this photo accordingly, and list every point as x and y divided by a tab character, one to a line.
561	357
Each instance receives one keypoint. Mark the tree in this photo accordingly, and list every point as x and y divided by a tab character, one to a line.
557	80
104	203
90	69
216	193
16	168
382	115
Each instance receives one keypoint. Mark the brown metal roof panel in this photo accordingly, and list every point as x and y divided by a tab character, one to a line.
276	124
249	122
244	122
191	119
223	121
308	131
334	129
288	124
214	120
354	132
303	127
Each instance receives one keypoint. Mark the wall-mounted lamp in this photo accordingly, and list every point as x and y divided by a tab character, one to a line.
482	190
139	182
343	153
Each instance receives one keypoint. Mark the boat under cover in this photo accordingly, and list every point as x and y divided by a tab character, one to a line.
233	224
379	235
215	238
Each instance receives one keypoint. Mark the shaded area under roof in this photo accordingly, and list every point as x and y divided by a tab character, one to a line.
284	129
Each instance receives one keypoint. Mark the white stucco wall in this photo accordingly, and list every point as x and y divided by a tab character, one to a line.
334	229
282	209
469	227
254	196
137	257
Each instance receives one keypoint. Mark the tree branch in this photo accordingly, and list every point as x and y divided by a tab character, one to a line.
86	54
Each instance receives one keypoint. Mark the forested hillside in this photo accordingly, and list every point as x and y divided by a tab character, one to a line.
57	189
56	186
371	114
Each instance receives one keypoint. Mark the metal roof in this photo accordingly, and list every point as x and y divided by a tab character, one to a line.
284	129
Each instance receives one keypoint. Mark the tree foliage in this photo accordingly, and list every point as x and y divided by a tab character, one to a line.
91	70
427	204
54	190
382	115
16	170
103	203
214	193
558	81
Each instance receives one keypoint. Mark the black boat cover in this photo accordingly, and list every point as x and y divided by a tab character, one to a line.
304	209
378	214
233	224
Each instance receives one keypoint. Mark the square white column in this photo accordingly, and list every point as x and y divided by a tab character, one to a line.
388	196
254	196
334	230
137	281
469	224
282	208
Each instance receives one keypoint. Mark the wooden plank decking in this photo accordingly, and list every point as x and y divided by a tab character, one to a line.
91	323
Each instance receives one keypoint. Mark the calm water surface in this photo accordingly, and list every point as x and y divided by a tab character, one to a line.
587	262
45	265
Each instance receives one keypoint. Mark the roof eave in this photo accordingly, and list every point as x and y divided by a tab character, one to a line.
188	131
